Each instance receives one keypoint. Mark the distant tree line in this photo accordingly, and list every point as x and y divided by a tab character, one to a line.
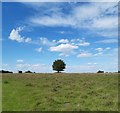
3	71
58	65
26	72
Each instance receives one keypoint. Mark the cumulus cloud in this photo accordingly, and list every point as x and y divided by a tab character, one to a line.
65	49
79	42
75	42
100	18
63	41
64	46
16	36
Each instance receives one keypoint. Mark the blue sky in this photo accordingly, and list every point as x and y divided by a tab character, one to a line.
83	34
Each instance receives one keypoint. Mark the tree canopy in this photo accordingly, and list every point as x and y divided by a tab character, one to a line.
58	65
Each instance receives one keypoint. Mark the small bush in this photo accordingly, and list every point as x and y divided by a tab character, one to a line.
38	103
29	84
6	82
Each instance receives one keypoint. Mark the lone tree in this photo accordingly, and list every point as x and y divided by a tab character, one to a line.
58	65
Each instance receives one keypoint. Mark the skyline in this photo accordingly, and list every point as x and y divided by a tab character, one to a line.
83	34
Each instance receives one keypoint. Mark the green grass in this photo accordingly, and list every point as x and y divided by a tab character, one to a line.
60	92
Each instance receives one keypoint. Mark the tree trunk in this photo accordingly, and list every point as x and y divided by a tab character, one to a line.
58	71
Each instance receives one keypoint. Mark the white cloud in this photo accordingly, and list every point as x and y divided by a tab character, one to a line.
64	32
90	63
19	60
79	42
22	66
84	44
28	40
107	48
98	18
63	41
33	67
39	49
92	16
85	12
99	49
112	33
100	53
64	54
53	20
7	67
45	41
84	54
107	22
64	46
108	41
37	66
14	35
65	49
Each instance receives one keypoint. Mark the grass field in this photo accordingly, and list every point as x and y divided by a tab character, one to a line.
60	92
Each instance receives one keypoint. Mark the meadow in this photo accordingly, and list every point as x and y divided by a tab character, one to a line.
60	92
